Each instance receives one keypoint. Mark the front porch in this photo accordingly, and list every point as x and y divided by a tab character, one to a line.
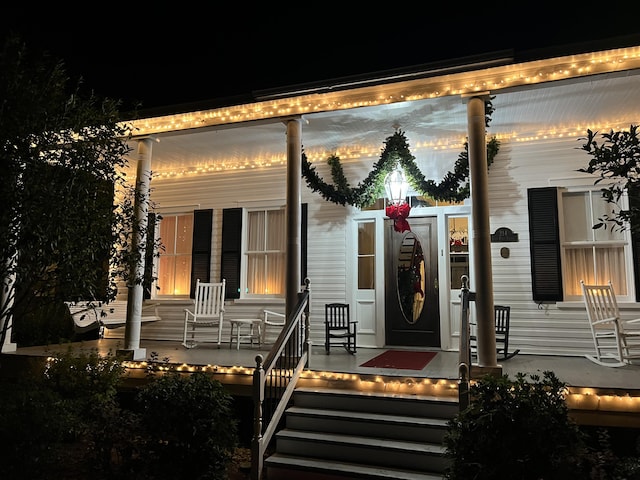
597	395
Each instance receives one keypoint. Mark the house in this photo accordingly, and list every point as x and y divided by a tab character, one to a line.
227	181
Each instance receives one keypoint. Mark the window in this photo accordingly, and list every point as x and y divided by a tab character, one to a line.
593	255
458	250
174	264
366	255
265	253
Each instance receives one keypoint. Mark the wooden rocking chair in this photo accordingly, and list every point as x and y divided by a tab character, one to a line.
502	318
615	345
208	311
339	328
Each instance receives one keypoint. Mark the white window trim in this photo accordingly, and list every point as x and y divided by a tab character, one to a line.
572	300
255	298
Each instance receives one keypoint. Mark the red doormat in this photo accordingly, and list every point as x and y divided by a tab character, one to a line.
401	359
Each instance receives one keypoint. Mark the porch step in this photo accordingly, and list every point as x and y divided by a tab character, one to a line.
289	467
367	424
335	433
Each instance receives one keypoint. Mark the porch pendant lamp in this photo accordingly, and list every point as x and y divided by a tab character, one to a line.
398	209
396	186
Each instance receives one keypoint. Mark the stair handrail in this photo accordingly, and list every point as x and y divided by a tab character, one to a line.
276	377
464	365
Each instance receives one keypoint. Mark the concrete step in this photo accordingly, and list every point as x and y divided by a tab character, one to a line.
353	400
400	427
290	467
381	452
341	433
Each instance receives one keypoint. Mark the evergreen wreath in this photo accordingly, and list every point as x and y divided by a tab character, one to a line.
454	187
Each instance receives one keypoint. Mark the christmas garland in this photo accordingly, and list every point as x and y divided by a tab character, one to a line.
454	187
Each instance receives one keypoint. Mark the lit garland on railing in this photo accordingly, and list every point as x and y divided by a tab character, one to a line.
454	187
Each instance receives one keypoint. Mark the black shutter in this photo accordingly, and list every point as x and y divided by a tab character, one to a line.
303	243
544	243
635	248
231	250
201	247
147	281
634	202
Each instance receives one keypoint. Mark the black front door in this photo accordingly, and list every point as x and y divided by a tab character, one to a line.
412	308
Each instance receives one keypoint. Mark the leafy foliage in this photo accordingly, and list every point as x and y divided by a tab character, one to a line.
616	161
73	417
51	406
64	157
515	429
190	424
453	187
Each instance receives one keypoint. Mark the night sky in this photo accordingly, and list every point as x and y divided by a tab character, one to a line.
160	55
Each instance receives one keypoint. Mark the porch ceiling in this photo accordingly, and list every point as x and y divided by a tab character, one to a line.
566	108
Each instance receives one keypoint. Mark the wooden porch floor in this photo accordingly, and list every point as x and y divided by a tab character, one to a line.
597	395
574	371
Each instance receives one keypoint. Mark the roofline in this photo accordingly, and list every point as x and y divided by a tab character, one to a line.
449	66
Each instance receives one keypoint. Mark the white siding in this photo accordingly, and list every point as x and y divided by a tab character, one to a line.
535	328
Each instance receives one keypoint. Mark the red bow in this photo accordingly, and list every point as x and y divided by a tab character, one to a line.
399	214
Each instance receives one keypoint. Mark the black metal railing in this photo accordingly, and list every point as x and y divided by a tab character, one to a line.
275	378
464	364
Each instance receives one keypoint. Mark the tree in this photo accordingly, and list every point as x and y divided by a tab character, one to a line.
616	161
64	154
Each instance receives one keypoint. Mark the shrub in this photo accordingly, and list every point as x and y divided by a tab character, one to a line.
515	429
189	422
51	410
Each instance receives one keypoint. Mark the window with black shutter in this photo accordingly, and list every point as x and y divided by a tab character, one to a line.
231	258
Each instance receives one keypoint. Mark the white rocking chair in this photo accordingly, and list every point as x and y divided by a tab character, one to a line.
208	311
615	345
271	319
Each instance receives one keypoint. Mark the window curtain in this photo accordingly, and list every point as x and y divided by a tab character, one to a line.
266	260
608	262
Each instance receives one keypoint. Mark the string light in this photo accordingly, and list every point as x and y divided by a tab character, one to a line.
490	79
578	399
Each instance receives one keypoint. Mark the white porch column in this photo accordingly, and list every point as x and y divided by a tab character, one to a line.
481	236
293	212
139	239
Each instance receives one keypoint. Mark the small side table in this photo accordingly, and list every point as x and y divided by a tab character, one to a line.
238	324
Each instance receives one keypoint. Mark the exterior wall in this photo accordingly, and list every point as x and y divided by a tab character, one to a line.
326	243
552	329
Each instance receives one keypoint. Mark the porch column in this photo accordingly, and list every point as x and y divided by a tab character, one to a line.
138	243
480	235
293	212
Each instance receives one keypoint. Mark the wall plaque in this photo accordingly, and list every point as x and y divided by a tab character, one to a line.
504	234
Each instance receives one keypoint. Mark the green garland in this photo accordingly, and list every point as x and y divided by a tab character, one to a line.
454	187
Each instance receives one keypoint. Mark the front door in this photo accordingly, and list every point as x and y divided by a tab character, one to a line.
412	311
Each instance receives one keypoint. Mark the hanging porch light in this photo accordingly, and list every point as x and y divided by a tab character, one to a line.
398	209
396	186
